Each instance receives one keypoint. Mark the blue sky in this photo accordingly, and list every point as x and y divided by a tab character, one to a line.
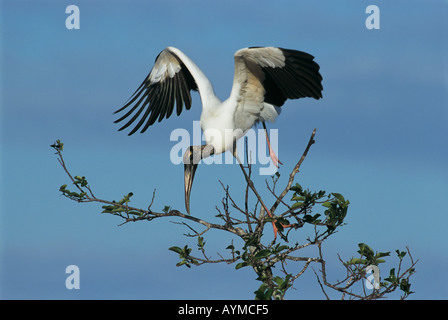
381	139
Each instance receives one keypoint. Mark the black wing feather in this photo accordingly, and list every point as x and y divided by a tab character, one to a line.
131	111
299	78
158	99
145	115
179	99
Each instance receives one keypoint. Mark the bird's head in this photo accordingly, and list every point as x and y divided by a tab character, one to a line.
191	158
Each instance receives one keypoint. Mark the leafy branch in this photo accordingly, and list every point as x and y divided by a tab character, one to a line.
278	262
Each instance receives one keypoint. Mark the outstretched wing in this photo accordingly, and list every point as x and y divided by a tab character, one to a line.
273	75
169	83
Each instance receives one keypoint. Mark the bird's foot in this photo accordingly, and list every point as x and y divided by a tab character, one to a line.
274	158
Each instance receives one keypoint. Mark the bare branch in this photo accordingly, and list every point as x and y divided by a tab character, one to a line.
294	172
262	256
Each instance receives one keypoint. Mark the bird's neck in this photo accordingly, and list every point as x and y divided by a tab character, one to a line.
208	97
205	88
207	93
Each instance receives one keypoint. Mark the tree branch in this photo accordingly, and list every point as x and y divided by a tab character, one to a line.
293	173
262	257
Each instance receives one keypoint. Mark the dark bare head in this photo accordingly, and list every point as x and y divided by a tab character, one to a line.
191	159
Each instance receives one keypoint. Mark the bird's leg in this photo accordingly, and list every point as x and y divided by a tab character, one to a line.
272	154
273	222
234	151
251	185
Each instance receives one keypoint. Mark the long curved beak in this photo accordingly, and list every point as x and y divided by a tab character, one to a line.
189	172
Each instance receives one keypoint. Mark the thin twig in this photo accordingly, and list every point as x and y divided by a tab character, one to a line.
294	172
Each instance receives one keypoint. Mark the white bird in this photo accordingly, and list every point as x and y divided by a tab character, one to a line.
265	77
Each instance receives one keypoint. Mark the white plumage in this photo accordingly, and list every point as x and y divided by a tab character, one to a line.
173	74
264	78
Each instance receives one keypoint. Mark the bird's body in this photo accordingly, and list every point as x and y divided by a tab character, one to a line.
174	74
264	78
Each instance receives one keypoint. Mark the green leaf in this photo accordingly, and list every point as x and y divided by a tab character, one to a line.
278	248
392	278
166	209
176	249
365	250
108	208
201	242
126	198
241	265
297	188
400	254
297	198
187	250
338	196
405	286
250	241
263	293
296	205
58	145
357	261
137	213
262	254
284	284
278	280
183	262
382	254
327	204
311	219
195	262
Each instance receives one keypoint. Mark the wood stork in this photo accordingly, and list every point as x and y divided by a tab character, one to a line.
264	78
